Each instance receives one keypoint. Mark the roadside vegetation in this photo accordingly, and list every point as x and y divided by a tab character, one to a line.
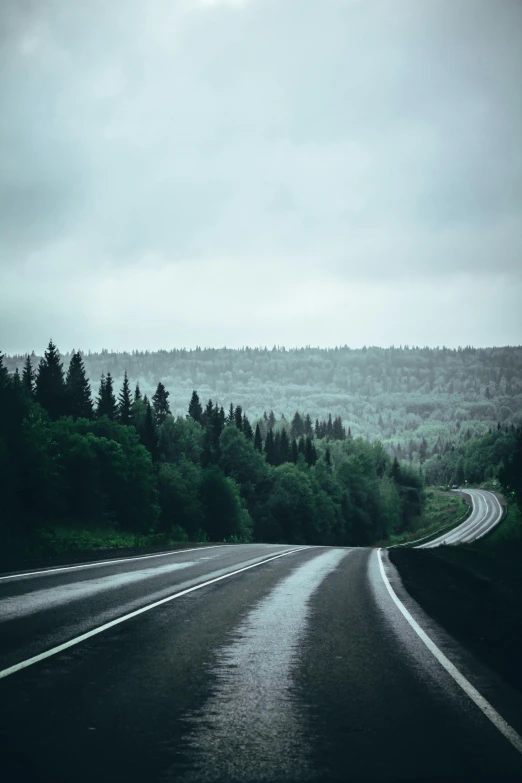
85	475
475	590
441	512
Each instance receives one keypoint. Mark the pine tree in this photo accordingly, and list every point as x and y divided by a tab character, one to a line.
77	389
297	426
308	426
258	441
149	436
310	453
284	447
124	402
208	412
329	427
50	383
137	393
328	457
247	429
269	448
317	429
238	418
231	415
28	377
106	404
294	452
277	449
4	374
195	410
160	402
271	420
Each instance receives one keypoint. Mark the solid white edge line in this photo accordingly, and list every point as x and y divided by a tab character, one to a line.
509	733
97	563
54	650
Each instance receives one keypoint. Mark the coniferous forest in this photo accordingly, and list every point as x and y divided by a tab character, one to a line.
121	460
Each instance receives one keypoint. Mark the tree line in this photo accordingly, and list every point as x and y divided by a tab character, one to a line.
124	461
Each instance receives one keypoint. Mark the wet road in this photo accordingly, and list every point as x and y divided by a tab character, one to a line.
250	662
486	513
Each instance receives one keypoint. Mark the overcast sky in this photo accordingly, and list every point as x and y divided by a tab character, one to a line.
249	172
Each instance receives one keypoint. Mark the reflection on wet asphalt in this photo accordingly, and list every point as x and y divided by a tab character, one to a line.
249	728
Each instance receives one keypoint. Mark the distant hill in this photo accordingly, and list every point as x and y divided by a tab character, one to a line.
401	395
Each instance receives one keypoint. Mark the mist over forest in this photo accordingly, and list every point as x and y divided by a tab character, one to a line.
417	401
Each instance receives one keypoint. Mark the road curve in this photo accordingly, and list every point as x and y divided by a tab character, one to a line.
242	663
486	513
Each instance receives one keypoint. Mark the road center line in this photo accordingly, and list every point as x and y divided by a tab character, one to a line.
509	733
59	648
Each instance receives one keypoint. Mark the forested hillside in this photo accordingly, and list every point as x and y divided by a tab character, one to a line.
417	401
122	461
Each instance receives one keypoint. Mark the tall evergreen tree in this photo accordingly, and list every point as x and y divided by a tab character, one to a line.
284	447
294	452
258	441
270	448
107	405
124	402
77	389
297	426
195	410
137	393
231	415
149	436
4	374
160	402
208	412
271	420
28	377
50	383
238	418
247	429
328	457
308	426
310	453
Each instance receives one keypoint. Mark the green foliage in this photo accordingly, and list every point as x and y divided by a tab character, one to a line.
50	383
77	389
124	402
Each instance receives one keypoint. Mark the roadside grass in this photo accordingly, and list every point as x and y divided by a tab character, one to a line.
442	511
58	545
475	591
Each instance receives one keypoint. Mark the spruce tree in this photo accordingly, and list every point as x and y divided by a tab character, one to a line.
195	410
271	420
77	389
284	447
231	417
160	402
137	393
328	457
294	452
269	448
50	383
247	429
4	374
208	413
107	405
238	418
149	436
308	426
297	426
310	453
258	441
28	377
124	402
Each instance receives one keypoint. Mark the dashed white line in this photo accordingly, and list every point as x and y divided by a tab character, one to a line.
497	720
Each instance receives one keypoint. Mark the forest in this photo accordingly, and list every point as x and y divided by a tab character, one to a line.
124	461
419	402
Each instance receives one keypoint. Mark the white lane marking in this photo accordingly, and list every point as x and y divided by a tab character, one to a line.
112	623
99	563
460	534
252	705
509	733
50	597
498	520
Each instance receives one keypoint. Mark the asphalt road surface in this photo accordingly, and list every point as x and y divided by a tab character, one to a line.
242	663
486	513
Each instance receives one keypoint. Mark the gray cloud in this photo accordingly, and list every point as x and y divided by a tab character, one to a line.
363	141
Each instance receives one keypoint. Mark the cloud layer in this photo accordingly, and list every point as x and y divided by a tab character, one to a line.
219	171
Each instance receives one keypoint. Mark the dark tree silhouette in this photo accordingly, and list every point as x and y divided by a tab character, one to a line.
77	389
50	383
195	410
28	377
160	402
124	402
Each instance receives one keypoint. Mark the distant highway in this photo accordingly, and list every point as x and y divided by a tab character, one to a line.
242	663
486	513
